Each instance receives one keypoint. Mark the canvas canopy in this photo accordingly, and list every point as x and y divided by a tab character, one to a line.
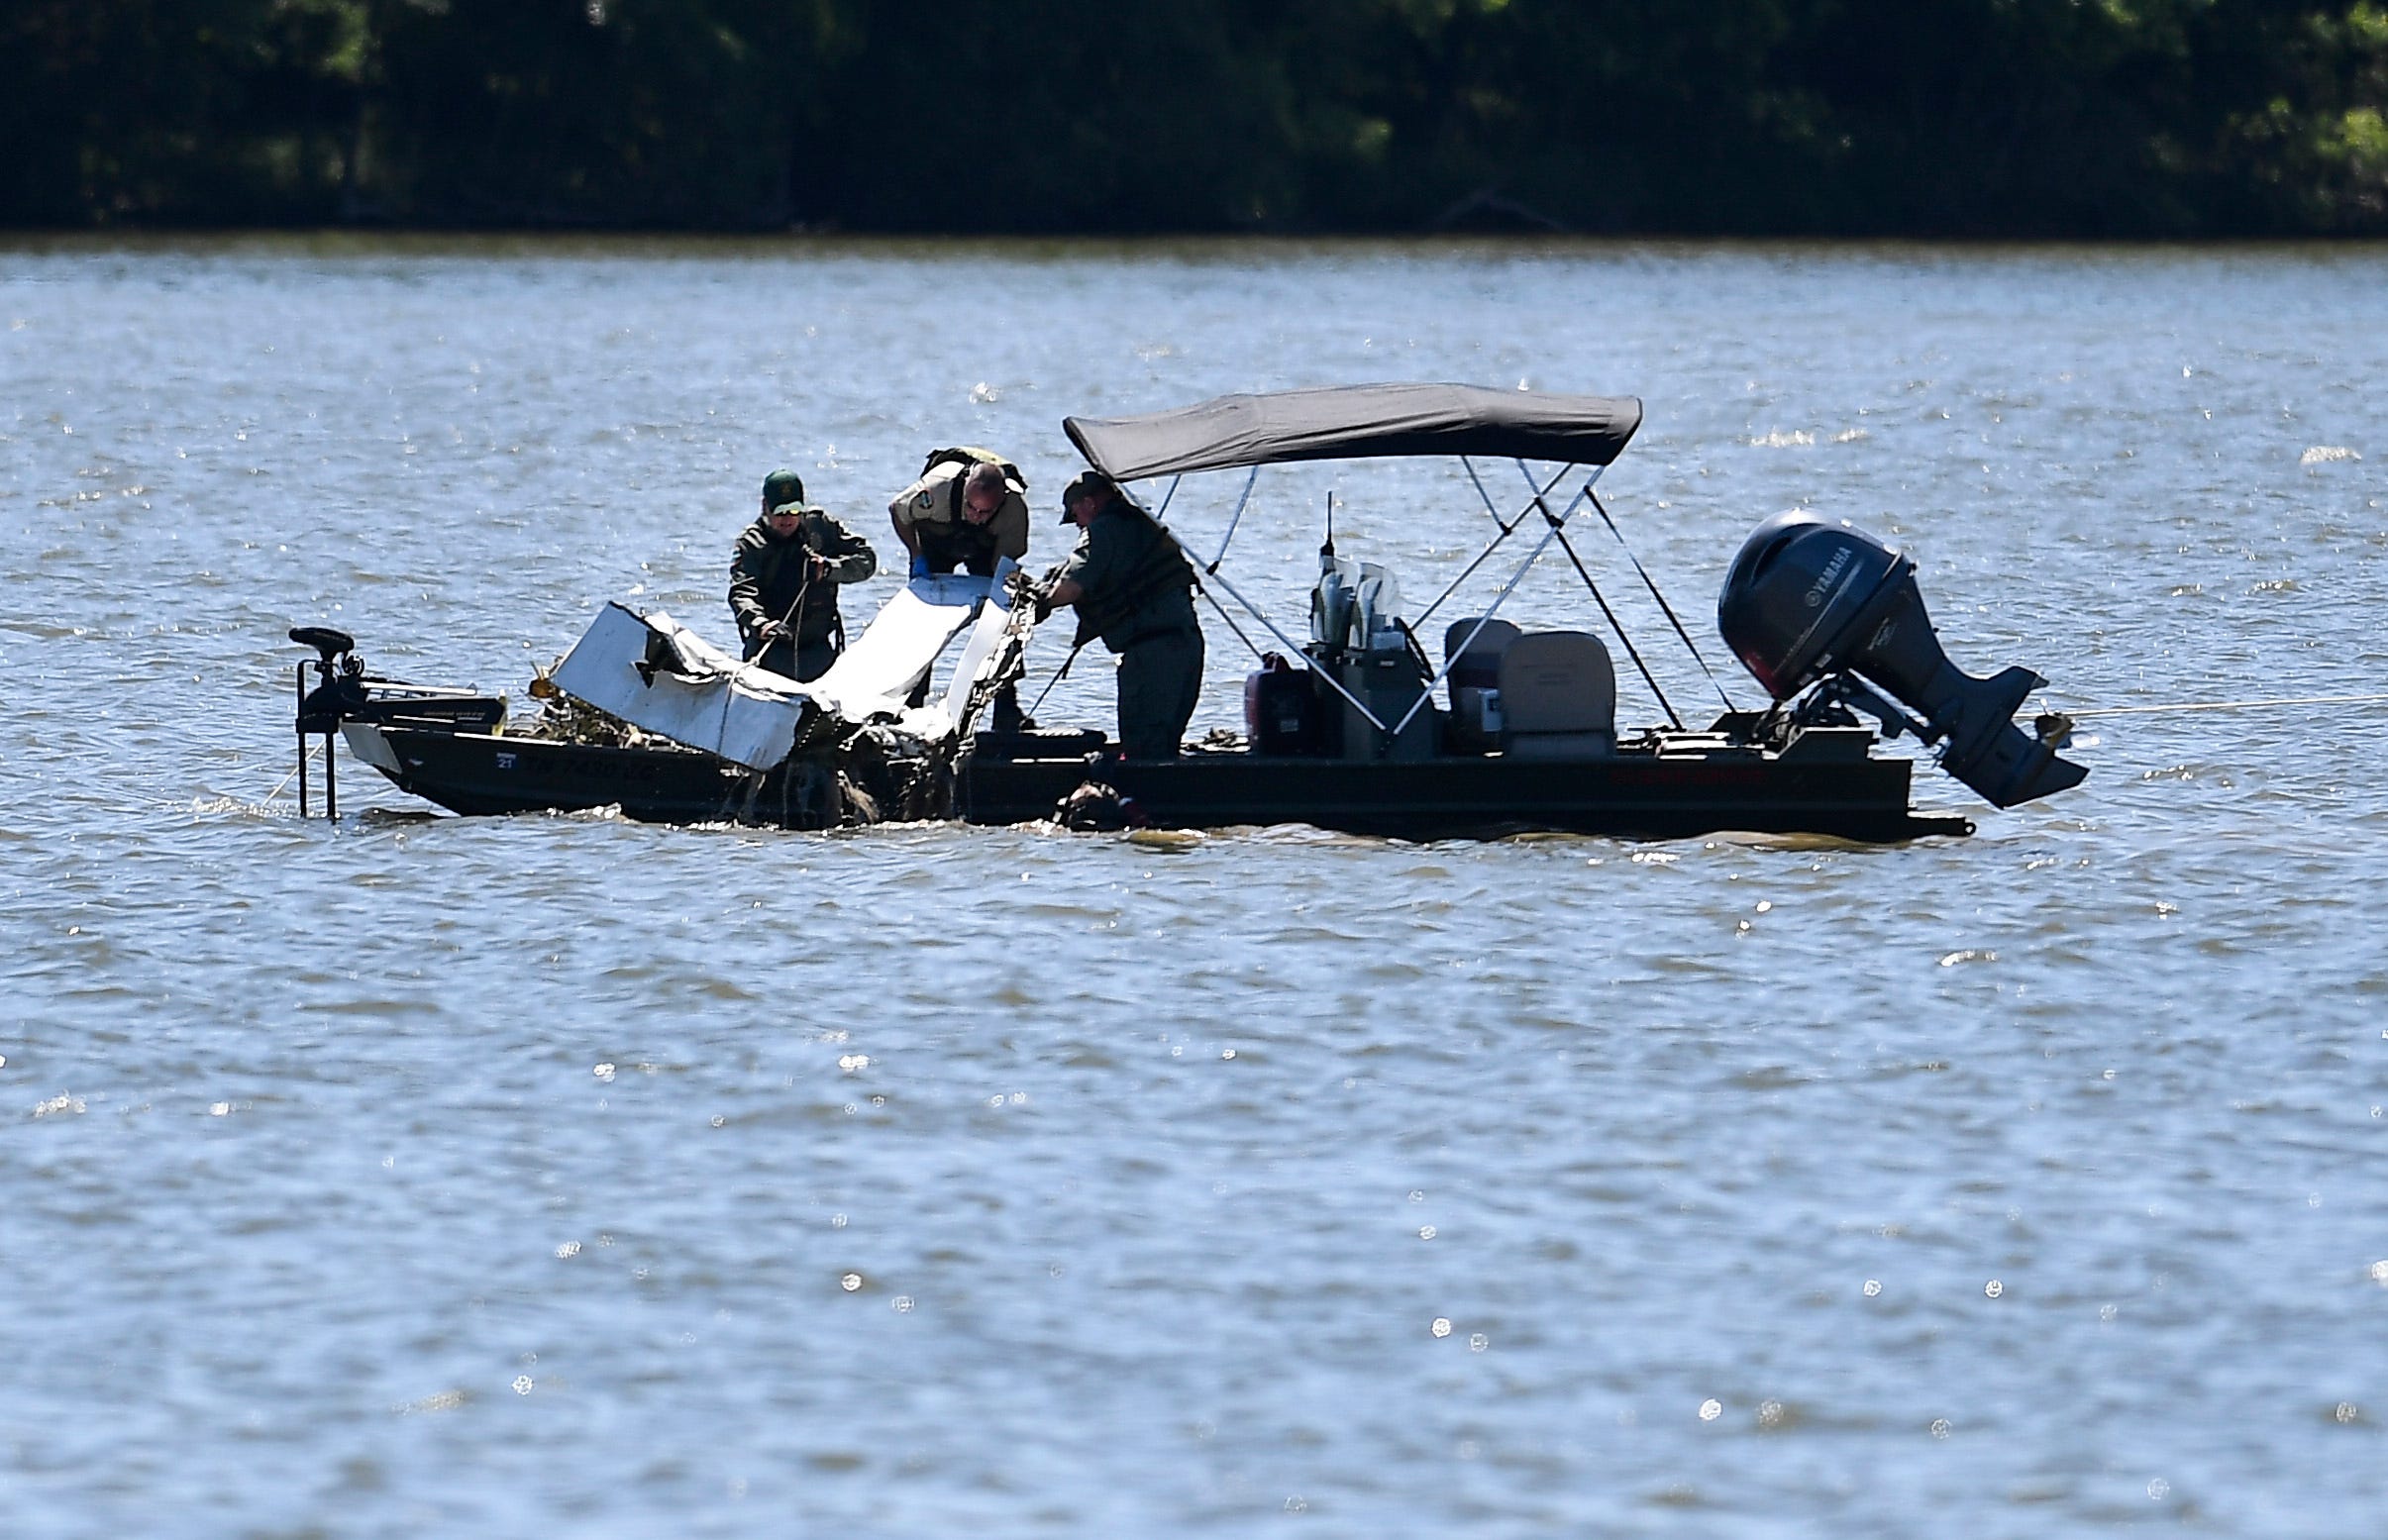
1357	422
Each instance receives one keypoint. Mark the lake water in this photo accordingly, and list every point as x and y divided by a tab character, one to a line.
418	1175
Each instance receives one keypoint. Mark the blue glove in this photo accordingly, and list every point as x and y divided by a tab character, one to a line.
921	567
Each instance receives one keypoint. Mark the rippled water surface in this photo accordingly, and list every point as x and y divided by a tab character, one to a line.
557	1175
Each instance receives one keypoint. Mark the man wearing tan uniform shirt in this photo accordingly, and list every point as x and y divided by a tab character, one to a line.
968	509
963	513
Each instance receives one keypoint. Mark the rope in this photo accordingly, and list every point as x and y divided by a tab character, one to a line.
786	621
306	751
2228	705
803	586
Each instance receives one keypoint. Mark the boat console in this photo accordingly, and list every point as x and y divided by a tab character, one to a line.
1364	690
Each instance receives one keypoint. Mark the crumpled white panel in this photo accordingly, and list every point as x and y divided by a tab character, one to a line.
693	693
878	670
655	673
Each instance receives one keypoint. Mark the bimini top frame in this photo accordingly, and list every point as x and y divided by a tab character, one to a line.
1374	422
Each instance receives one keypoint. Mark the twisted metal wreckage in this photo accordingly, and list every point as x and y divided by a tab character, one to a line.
687	732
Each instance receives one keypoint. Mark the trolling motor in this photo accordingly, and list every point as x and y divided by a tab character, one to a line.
347	694
1807	601
321	710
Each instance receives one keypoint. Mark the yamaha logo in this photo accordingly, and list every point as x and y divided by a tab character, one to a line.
1828	577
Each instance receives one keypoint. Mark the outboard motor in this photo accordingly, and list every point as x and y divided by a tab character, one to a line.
1807	599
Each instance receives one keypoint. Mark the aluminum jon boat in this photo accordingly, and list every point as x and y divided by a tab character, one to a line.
1354	727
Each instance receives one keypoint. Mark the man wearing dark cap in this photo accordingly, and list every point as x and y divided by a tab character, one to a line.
1133	587
784	573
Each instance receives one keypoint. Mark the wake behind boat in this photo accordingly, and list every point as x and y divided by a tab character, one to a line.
1353	729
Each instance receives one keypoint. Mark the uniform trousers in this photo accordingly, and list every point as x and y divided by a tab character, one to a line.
1160	680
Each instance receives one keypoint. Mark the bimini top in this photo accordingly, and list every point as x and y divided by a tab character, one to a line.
1357	422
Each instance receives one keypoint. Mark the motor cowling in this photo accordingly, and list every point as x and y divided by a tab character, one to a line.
1806	599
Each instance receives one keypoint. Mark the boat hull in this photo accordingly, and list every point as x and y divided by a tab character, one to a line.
1632	796
481	773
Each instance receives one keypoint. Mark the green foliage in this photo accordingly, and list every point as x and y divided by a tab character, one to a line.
1964	117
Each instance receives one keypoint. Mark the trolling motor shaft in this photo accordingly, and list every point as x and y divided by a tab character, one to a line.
320	711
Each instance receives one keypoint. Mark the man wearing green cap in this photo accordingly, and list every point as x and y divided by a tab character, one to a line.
1132	586
784	573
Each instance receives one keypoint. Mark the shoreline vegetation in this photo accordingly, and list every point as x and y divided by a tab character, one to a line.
2023	120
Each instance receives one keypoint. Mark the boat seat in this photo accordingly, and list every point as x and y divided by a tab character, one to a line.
1558	697
1473	675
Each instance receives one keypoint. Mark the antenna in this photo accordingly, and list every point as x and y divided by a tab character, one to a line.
1327	550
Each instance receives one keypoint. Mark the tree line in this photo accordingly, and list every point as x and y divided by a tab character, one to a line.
1941	118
